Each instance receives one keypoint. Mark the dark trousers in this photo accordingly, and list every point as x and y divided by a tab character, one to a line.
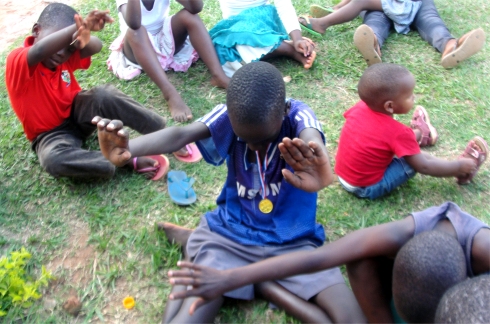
427	23
59	150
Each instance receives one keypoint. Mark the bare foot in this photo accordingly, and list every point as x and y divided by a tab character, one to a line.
287	49
175	234
143	163
179	110
315	24
220	82
182	152
309	60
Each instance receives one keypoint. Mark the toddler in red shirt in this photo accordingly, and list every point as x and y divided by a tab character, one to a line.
376	153
55	112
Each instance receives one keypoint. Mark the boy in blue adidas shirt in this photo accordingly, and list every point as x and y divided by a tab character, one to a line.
268	204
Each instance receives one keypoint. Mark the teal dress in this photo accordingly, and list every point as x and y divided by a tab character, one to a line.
256	27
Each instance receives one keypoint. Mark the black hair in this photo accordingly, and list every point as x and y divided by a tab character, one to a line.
57	15
424	268
256	94
380	83
466	302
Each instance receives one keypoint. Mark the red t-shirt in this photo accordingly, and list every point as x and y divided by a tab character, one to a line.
41	98
367	144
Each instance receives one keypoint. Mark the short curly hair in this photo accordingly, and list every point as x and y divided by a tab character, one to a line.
466	302
57	15
256	94
424	268
380	83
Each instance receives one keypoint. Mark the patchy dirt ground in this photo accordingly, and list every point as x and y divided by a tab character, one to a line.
18	16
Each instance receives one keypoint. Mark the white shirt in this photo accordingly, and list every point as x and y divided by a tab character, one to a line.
152	19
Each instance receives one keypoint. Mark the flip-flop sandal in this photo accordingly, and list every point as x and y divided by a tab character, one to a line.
471	44
307	26
318	11
421	121
180	188
364	41
478	157
161	168
194	154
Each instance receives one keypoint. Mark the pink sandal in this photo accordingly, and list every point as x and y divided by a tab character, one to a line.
479	156
421	121
161	169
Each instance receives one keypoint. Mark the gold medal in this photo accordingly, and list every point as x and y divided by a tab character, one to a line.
266	206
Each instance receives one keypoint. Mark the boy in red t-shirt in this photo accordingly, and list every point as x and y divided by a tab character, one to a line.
370	138
55	113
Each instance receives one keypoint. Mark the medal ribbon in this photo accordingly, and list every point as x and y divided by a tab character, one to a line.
262	170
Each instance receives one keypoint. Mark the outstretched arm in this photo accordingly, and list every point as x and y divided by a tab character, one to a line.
208	283
308	157
118	149
427	164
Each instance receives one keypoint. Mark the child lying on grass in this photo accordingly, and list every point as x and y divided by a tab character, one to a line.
437	262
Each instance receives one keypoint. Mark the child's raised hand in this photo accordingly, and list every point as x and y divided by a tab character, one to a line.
96	19
113	140
207	283
309	162
82	35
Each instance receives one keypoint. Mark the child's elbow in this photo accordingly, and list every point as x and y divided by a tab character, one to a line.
196	7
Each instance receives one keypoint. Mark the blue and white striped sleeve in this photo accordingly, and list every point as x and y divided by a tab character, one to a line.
304	117
215	149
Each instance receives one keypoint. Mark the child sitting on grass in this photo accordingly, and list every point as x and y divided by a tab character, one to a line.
55	112
268	204
371	137
384	15
428	261
154	42
253	30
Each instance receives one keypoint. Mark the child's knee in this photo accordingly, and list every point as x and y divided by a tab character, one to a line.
104	93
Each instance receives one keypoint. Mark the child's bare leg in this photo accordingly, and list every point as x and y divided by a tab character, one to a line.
177	311
346	13
294	306
341	4
184	23
418	134
175	234
138	48
287	49
370	280
340	304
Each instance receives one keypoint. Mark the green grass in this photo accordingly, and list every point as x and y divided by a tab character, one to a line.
54	218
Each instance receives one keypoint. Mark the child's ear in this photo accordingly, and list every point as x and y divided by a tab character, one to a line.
36	29
388	106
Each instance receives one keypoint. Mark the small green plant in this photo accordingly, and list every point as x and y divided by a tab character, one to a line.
17	288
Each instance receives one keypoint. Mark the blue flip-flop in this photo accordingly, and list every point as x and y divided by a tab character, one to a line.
180	188
306	26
